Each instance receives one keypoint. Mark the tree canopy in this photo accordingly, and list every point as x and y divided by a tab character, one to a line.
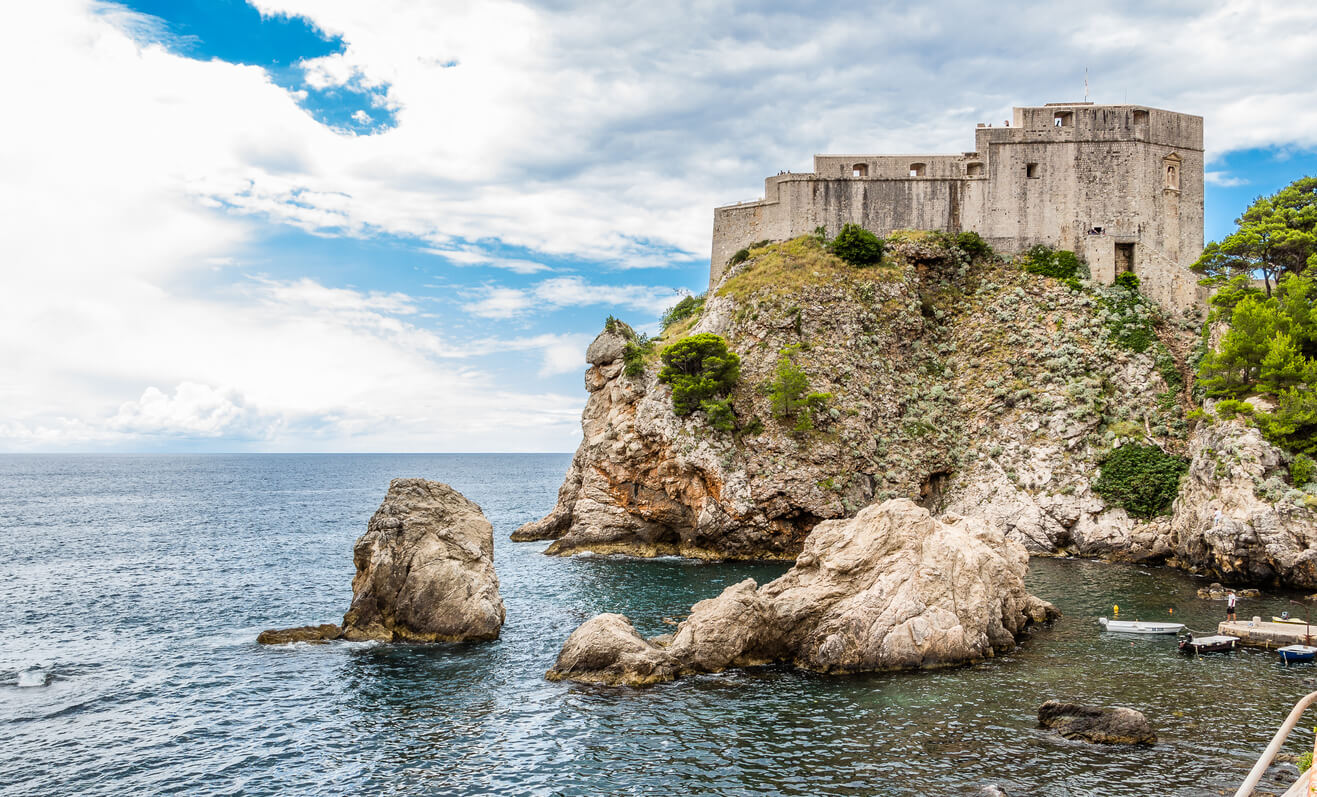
1277	235
699	368
1270	347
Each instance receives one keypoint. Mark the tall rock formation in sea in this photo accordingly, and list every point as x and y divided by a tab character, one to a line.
425	569
425	573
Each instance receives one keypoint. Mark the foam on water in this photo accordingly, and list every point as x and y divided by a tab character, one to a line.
138	584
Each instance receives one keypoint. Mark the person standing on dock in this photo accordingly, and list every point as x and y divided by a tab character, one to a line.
1230	606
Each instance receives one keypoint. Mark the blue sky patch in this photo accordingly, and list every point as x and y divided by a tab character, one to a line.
234	31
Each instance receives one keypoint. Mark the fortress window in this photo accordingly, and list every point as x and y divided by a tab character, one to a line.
974	170
1031	171
918	169
1063	118
860	170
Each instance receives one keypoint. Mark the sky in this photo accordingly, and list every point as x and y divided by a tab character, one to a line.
395	225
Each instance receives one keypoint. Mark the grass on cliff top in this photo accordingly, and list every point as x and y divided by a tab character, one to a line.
787	267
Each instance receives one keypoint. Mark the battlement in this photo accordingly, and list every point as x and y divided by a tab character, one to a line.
1121	185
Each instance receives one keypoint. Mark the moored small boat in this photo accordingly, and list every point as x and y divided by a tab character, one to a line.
1296	653
1140	627
1295	620
1208	644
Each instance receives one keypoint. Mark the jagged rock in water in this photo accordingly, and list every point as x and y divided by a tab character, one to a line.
890	589
425	569
1260	538
305	633
1096	724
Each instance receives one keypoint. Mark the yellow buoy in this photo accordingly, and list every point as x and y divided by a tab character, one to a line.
1115	609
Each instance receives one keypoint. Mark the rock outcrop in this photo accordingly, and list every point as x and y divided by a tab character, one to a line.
425	573
971	388
307	633
1096	724
425	569
890	589
1267	532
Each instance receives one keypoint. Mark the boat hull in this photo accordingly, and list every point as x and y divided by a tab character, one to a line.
1293	654
1214	644
1139	627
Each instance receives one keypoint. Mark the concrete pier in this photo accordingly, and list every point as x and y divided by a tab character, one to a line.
1267	634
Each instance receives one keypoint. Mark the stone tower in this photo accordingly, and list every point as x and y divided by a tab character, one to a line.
1120	185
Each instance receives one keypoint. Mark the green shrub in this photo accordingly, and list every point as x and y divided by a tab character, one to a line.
1293	426
1302	470
1305	761
789	398
972	244
634	354
1060	263
857	246
1130	319
698	368
739	256
687	307
1229	408
786	391
1142	479
1127	280
720	413
618	327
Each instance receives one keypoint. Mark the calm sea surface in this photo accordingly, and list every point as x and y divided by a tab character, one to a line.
133	588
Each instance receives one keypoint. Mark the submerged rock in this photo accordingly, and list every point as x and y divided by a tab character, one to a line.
1096	724
889	589
425	569
305	633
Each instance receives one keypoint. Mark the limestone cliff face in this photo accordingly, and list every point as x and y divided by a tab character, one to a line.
1267	532
971	387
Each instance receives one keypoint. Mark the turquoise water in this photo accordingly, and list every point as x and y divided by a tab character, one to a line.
134	588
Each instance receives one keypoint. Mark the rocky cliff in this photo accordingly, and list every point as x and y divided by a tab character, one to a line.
964	383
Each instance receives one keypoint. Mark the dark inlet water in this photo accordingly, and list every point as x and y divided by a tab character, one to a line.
134	588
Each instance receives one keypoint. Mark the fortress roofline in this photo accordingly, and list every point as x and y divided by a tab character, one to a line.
1120	185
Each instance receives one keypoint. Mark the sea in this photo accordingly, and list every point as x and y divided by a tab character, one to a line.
132	589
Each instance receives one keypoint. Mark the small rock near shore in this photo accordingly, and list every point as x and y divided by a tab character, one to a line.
305	633
1096	724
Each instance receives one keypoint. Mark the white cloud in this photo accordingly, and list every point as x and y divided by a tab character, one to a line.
1223	179
559	292
193	411
138	180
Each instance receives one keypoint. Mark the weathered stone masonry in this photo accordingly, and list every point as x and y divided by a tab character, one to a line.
1121	185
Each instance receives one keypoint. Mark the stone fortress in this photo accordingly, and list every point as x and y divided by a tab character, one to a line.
1120	185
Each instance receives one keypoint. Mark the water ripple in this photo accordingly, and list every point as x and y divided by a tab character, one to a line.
136	586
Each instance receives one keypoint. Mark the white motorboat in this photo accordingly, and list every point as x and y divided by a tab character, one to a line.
1140	627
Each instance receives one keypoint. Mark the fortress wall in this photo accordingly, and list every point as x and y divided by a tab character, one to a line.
1096	184
736	226
896	167
878	205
